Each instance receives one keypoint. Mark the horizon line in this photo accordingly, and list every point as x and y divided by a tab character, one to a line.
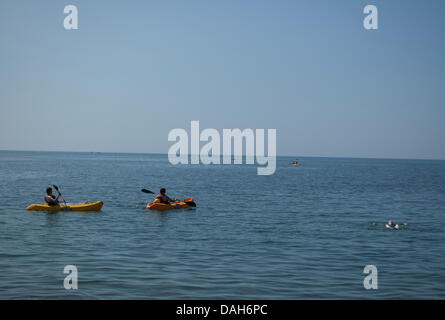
292	156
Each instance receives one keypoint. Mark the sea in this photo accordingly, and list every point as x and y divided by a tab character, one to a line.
306	232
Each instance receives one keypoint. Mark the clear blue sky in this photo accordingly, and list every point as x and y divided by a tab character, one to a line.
137	69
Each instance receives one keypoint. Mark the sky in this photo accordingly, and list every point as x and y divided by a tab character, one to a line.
134	70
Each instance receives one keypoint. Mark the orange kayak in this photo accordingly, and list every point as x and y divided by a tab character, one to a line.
169	206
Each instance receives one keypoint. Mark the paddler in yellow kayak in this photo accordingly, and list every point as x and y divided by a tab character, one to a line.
51	199
163	198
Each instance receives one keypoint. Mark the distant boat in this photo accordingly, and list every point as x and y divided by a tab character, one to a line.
295	163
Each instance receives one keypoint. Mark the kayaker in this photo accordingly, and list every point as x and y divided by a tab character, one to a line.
163	198
51	199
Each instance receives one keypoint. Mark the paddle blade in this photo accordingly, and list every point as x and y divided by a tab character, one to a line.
147	191
191	203
56	187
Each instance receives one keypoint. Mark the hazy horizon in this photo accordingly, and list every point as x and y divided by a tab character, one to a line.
278	155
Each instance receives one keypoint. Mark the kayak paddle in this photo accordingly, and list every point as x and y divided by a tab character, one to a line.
60	194
147	191
191	203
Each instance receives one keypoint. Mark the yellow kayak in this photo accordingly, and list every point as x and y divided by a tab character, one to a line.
87	206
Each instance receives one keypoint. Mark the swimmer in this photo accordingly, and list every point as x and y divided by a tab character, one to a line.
390	224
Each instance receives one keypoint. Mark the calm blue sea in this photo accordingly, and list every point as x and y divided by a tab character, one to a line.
303	233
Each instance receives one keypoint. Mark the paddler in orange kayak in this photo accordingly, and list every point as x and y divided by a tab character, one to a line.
163	198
